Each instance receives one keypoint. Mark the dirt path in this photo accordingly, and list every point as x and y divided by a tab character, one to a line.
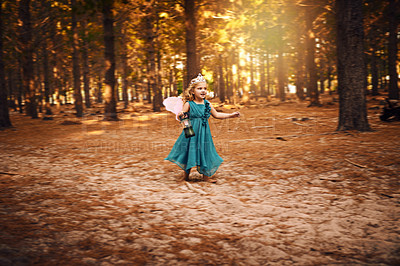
290	192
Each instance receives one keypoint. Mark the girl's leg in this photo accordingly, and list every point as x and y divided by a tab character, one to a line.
187	173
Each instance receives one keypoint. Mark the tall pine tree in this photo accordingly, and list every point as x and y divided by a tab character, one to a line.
4	114
110	101
351	67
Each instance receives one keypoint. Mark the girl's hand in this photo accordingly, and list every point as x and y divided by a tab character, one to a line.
235	114
181	114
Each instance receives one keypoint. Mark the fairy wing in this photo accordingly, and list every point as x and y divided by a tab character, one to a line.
174	105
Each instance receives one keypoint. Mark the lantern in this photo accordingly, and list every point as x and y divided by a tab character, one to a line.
187	126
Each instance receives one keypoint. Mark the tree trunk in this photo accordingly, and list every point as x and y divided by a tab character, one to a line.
39	87
239	72
281	76
392	48
269	92
174	89
300	71
329	74
252	84
151	58
221	81
229	76
262	75
156	85
75	62
27	58
216	82
170	82
20	86
99	93
110	103
322	83
351	67
11	84
148	84
192	68
55	63
374	72
124	64
300	84
322	77
312	84
46	79
85	65
4	112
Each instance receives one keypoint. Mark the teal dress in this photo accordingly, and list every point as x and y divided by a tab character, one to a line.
199	150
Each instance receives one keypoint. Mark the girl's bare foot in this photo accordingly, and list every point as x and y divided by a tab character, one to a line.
186	175
209	179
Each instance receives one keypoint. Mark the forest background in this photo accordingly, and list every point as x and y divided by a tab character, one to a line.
86	184
84	52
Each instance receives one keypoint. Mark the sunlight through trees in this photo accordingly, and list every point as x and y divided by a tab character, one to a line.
83	52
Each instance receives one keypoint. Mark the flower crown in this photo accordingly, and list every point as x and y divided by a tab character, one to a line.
198	79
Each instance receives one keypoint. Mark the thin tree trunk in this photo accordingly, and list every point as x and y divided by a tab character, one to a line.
27	59
300	72
221	81
252	85
54	62
174	89
85	65
11	86
216	84
20	86
124	63
392	48
281	76
322	77
351	66
300	84
235	87
239	70
39	85
192	68
46	80
269	92
156	86
229	78
312	84
322	83
4	112
329	74
99	93
110	103
374	73
383	73
75	62
47	70
262	75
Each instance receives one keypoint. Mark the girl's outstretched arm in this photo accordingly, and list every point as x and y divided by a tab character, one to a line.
220	115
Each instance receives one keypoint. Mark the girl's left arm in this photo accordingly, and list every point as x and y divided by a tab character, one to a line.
220	115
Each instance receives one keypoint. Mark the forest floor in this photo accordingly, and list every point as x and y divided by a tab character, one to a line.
291	191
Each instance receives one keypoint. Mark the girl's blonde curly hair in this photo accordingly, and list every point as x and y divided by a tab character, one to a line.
188	94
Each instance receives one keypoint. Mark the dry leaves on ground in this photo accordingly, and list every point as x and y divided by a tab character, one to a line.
292	191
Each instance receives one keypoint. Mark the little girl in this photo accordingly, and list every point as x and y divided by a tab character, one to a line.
199	150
